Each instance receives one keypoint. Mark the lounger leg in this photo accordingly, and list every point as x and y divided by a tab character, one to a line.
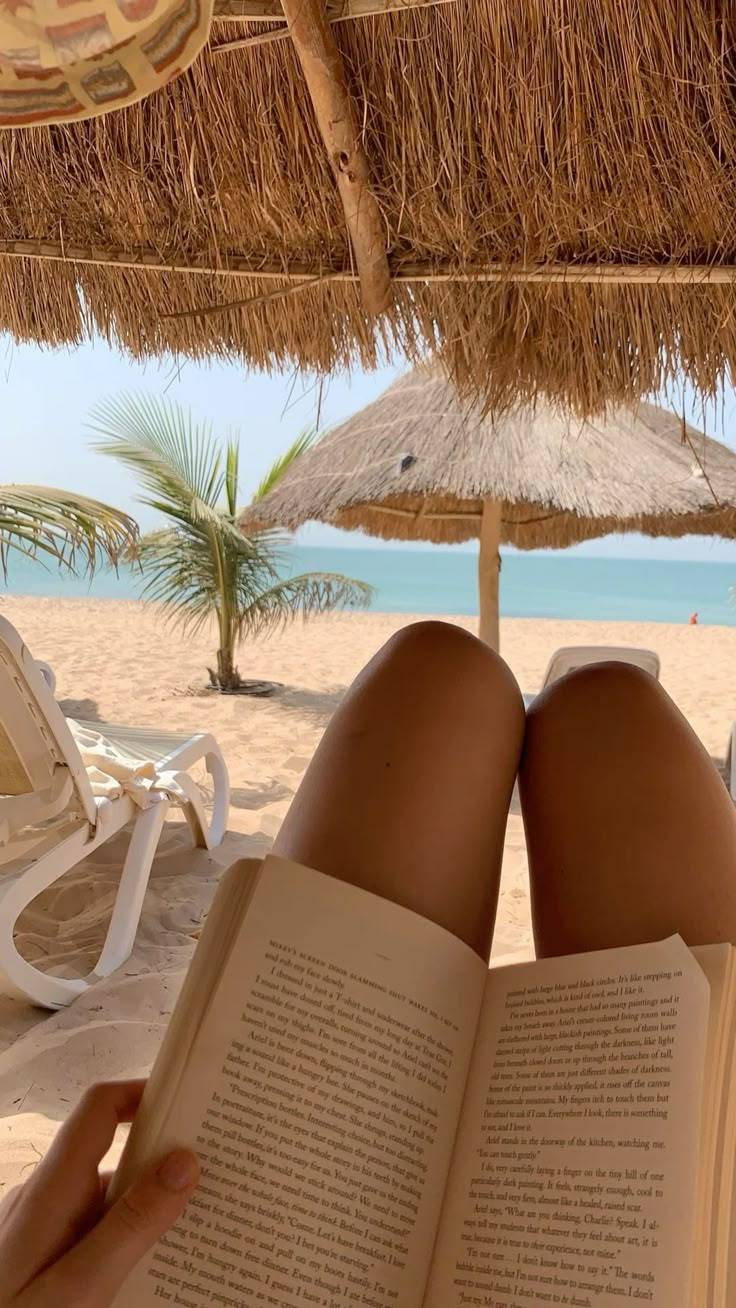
194	811
133	882
206	833
24	981
18	977
220	796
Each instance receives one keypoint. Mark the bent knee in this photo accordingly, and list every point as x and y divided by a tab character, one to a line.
431	637
447	651
611	690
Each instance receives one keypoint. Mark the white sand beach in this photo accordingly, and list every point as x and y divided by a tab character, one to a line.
116	661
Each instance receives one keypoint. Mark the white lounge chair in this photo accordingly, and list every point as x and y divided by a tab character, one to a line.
570	657
48	674
730	769
50	819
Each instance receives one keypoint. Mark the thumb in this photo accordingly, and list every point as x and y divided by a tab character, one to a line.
91	1274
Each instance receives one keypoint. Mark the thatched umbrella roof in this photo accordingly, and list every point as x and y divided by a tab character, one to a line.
552	189
419	463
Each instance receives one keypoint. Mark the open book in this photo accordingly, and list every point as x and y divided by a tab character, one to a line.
383	1122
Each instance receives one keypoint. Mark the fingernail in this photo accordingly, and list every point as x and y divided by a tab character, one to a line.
179	1170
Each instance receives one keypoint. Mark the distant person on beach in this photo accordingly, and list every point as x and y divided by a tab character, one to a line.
693	619
630	833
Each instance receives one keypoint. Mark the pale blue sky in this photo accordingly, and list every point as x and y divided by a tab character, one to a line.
46	395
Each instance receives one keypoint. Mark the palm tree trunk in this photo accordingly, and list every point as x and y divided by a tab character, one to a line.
228	677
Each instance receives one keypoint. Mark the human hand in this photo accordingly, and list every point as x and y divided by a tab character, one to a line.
58	1246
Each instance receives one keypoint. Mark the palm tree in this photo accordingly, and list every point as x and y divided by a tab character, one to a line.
201	564
69	528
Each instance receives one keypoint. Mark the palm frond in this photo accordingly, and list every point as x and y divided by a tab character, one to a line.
177	571
202	566
304	595
182	576
64	526
178	462
232	462
284	461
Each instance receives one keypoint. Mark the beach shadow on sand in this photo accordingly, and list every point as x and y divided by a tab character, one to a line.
255	797
319	705
84	709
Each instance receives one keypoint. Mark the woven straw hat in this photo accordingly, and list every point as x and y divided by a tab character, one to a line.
64	60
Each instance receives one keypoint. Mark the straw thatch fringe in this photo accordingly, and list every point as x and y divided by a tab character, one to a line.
419	463
569	338
523	530
525	131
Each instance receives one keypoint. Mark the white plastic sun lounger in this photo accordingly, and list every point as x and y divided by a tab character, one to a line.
48	674
570	657
50	819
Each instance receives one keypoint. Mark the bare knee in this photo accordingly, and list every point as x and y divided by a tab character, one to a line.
614	691
447	655
432	638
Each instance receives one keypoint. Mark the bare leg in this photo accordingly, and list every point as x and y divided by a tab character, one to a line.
630	830
408	792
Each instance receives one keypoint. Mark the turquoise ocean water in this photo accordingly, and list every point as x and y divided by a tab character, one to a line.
532	585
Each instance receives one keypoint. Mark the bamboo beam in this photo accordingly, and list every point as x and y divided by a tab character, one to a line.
249	42
612	274
321	64
338	11
246	11
471	516
248	302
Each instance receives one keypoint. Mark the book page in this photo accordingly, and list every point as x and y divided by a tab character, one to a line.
713	1203
721	1289
322	1094
195	999
575	1172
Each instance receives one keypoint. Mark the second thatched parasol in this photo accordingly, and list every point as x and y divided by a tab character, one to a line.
420	464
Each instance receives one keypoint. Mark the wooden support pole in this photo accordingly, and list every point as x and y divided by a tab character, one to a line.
321	63
488	569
